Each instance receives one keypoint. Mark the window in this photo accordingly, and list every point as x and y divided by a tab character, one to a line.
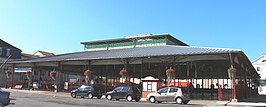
173	90
7	52
118	89
1	50
88	88
258	68
263	60
164	90
125	89
149	86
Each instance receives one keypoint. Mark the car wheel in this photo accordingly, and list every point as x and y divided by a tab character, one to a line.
109	97
137	99
73	95
90	96
99	97
152	99
179	100
129	98
159	101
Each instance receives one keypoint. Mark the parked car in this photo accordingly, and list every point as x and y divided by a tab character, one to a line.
36	85
87	91
262	89
4	98
129	93
168	94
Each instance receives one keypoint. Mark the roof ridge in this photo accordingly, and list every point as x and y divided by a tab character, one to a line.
10	44
43	51
259	58
216	48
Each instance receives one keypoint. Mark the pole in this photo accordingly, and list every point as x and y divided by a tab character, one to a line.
234	86
5	61
175	70
233	79
127	69
88	79
13	71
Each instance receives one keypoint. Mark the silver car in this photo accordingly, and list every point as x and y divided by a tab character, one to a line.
168	94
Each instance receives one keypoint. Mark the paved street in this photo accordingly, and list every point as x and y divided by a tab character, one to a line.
27	99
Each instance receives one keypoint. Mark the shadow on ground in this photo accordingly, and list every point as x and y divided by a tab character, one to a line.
257	99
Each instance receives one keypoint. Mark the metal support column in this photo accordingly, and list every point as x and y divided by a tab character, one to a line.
12	77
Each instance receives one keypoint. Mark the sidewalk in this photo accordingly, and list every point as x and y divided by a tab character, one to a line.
49	93
255	101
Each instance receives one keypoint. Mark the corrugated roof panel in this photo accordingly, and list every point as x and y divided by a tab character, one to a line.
132	52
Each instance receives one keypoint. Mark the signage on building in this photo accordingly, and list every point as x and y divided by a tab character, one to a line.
23	69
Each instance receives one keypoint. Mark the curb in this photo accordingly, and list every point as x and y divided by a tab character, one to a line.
199	102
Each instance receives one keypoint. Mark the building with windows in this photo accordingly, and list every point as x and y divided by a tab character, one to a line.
7	52
260	66
143	56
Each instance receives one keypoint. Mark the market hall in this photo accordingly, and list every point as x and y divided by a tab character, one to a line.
146	61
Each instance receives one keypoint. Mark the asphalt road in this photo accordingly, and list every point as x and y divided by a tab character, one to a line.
22	99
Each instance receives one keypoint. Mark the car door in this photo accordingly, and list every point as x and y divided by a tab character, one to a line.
124	92
116	92
82	91
170	96
86	90
162	94
78	92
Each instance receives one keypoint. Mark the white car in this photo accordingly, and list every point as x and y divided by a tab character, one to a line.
170	94
36	85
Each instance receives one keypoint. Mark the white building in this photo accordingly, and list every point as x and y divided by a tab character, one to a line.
260	66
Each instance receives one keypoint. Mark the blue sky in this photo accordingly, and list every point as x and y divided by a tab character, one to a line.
60	25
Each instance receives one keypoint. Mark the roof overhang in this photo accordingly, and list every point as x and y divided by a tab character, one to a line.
157	51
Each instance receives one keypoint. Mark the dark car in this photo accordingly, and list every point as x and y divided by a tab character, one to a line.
87	91
4	98
129	93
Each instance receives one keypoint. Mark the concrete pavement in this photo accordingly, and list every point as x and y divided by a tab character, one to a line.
255	101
